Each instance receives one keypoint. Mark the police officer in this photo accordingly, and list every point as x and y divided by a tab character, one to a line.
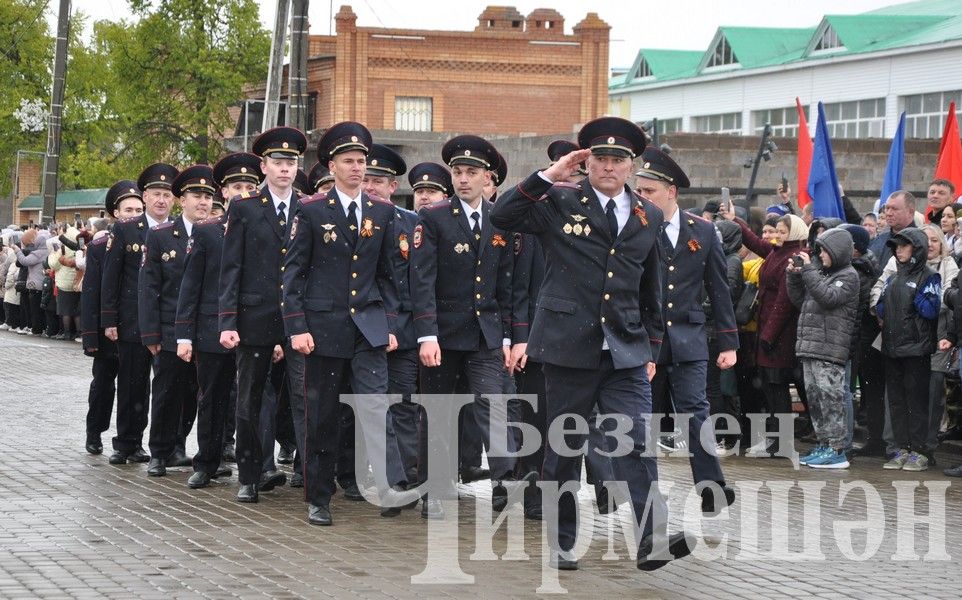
430	182
119	312
198	336
320	179
498	173
174	398
598	323
249	304
302	184
123	198
339	294
461	285
693	265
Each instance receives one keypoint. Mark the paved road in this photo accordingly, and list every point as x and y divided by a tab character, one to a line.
73	526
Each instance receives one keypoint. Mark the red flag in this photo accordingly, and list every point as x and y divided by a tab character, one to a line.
949	165
804	164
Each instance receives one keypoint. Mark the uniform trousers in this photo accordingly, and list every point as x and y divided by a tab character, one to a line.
100	397
173	405
133	395
215	372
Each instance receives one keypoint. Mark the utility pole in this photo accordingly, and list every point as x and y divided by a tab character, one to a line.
52	162
297	75
272	95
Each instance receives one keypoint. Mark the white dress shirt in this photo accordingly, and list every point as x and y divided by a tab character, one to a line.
673	227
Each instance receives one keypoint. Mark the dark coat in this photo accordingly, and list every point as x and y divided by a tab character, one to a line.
777	317
910	302
250	272
461	297
596	288
159	286
197	304
526	284
118	290
92	334
403	241
330	286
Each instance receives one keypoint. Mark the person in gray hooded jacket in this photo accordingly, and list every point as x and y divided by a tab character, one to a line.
826	291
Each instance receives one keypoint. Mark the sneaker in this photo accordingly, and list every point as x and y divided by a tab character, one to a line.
916	462
898	461
4	327
816	452
955	471
760	450
829	459
722	450
22	331
672	442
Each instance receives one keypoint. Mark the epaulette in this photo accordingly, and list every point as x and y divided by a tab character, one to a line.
312	199
211	220
402	212
128	220
439	204
694	216
381	200
101	240
242	196
160	226
565	184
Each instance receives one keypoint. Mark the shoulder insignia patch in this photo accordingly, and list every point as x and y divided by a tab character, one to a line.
518	243
418	235
294	225
110	241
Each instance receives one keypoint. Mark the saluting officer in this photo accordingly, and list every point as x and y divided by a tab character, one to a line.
249	304
119	312
123	201
693	265
174	398
598	323
461	285
197	332
340	309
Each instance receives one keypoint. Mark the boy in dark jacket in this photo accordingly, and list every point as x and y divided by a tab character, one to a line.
909	310
826	293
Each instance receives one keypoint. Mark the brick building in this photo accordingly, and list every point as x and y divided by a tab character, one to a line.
511	75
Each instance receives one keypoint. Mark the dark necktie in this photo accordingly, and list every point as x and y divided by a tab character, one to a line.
352	221
476	228
612	219
666	241
282	213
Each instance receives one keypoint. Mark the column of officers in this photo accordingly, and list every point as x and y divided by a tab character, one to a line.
276	292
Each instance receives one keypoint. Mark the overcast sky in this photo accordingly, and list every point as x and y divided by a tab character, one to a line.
677	24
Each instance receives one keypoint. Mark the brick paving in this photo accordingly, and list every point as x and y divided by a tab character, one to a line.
73	526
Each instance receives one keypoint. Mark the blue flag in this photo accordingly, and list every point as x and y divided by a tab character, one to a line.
893	168
822	181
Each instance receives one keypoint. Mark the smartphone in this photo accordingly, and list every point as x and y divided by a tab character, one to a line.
726	199
784	182
797	262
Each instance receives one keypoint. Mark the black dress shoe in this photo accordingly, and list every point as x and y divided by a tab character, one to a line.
680	545
563	560
117	458
200	479
533	513
247	493
228	455
351	492
469	474
319	515
297	480
95	447
156	468
432	509
395	499
603	501
285	456
500	499
271	479
179	459
708	507
139	456
872	449
222	471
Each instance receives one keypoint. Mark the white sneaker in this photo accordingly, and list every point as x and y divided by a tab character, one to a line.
760	450
722	450
23	331
4	327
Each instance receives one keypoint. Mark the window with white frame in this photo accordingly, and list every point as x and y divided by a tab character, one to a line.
856	118
723	55
642	71
925	113
829	40
669	125
730	123
412	113
784	121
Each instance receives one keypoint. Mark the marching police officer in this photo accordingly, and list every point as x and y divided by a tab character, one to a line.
340	308
119	312
174	398
598	323
123	199
249	304
693	265
198	335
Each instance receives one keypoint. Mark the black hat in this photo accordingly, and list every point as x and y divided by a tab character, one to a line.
658	165
343	137
198	178
280	142
470	150
432	175
613	136
384	162
239	166
159	175
498	174
218	203
318	176
301	183
559	148
120	191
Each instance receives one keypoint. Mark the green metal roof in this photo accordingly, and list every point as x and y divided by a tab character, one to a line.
898	26
67	199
